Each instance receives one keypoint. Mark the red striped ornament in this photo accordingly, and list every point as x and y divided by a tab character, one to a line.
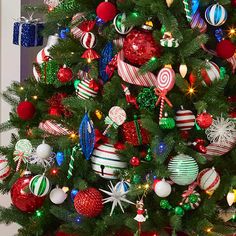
210	73
184	119
83	90
76	20
88	40
5	169
208	179
105	161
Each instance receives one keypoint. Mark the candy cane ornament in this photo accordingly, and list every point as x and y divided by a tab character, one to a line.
165	82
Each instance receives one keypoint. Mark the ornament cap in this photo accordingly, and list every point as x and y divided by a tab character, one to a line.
26	173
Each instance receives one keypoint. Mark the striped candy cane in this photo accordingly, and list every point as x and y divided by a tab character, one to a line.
187	10
72	159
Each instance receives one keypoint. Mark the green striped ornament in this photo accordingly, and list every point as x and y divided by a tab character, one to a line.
119	24
39	185
183	169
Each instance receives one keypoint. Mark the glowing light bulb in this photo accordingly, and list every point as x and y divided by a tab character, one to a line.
38	213
35	97
21	88
208	230
89	60
191	91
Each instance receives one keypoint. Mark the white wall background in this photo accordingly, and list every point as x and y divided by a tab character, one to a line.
15	64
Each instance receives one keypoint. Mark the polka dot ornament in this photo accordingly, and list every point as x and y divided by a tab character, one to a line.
183	169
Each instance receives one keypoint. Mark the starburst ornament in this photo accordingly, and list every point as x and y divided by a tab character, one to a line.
116	197
221	132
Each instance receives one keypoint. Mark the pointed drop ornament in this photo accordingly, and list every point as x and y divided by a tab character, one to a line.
169	2
87	136
183	69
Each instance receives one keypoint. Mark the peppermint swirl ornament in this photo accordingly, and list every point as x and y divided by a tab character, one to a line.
216	15
193	199
88	40
119	24
39	185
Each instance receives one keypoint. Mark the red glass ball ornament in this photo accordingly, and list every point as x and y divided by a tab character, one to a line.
88	202
25	110
184	134
139	47
64	74
233	3
22	198
225	49
134	161
204	120
106	11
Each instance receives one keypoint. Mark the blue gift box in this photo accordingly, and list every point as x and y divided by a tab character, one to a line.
28	34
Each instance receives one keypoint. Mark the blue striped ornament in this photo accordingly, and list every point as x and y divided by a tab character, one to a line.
122	186
216	15
105	161
39	185
183	169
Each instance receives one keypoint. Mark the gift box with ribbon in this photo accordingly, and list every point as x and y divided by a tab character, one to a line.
134	133
28	32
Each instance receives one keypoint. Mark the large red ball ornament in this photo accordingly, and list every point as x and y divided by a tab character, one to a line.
233	3
204	120
25	110
88	202
225	49
22	198
139	47
64	74
106	11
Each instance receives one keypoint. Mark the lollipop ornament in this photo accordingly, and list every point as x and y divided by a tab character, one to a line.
115	118
165	82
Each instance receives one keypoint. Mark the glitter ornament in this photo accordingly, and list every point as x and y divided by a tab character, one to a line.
166	122
25	110
184	119
106	11
225	49
119	24
221	132
208	179
210	73
216	15
183	169
5	169
39	185
204	120
147	99
162	188
57	196
139	47
22	198
105	161
88	202
134	161
65	74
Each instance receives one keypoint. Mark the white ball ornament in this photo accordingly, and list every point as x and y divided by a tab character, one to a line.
57	196
162	188
44	151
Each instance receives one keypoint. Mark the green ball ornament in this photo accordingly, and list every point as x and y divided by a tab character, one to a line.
183	169
136	179
193	198
76	83
164	204
187	207
148	157
167	122
179	211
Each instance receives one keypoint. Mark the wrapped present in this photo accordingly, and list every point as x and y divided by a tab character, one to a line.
134	133
27	32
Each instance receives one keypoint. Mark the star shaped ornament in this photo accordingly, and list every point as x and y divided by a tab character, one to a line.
116	197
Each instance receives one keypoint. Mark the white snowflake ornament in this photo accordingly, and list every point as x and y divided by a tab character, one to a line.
221	132
116	197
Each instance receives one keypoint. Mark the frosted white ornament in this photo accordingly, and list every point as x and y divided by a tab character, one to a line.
44	151
162	188
57	196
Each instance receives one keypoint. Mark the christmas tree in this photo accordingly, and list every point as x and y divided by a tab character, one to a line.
128	125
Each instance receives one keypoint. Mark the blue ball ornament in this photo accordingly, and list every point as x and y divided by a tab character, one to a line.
63	32
216	15
60	158
99	21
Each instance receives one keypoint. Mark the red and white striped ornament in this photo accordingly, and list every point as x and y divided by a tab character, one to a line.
185	119
54	128
84	91
5	169
210	73
208	179
88	40
105	161
187	200
76	21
